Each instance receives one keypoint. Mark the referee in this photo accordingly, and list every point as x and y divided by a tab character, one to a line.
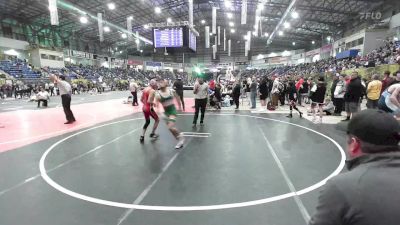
65	92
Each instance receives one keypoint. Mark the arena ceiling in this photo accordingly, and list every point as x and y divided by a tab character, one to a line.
317	18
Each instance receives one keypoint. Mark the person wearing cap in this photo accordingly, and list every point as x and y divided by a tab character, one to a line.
369	193
374	92
148	111
65	91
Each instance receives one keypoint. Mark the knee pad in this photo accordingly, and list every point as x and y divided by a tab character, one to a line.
146	124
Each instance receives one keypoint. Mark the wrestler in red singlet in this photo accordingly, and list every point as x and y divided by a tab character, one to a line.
148	111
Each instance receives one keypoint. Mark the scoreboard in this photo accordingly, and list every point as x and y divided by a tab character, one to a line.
178	38
168	37
192	41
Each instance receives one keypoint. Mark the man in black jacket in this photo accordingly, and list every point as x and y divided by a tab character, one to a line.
352	97
369	194
236	94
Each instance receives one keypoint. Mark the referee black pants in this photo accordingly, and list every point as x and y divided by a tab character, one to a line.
66	103
199	105
180	94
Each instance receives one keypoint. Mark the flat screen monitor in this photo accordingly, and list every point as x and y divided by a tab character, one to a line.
171	37
192	41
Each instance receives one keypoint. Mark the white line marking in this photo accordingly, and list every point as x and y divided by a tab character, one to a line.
188	208
66	162
194	135
289	182
144	193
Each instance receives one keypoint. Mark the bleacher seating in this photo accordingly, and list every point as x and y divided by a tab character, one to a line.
18	69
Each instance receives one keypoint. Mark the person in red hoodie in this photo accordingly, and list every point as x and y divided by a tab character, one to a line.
387	81
299	85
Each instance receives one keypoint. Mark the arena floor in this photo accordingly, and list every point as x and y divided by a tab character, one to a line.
240	168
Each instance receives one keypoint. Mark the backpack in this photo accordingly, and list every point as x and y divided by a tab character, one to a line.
270	106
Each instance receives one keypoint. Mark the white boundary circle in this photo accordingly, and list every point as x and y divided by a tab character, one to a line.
62	189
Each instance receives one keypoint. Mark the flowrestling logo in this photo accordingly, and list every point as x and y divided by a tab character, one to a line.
370	15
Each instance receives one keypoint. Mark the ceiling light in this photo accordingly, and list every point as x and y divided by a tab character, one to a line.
106	29
229	15
280	33
313	42
295	15
146	26
286	25
266	34
141	50
231	24
232	31
157	10
294	43
228	4
245	37
120	52
169	20
124	36
203	21
130	18
137	41
111	6
83	19
260	6
328	38
254	33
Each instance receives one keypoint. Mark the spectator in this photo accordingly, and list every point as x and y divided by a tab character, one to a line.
236	94
299	86
133	87
387	81
42	96
369	192
352	97
275	92
178	87
253	93
339	93
333	87
373	92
